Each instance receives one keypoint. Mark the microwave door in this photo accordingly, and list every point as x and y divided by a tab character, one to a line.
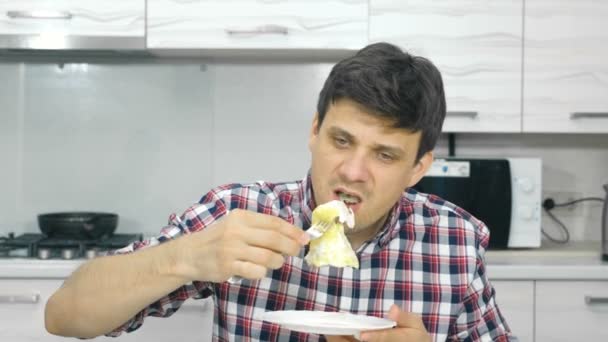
485	192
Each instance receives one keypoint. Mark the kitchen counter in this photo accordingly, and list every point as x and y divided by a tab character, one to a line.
34	268
575	261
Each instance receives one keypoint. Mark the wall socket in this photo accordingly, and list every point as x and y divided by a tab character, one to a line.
563	197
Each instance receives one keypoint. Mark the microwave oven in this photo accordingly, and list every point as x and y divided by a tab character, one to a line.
504	193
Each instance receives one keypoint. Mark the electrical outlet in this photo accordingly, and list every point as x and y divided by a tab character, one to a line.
560	196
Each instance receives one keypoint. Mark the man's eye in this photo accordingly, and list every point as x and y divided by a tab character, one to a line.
340	141
386	156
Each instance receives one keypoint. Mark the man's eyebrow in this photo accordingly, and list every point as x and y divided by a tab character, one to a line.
338	130
398	151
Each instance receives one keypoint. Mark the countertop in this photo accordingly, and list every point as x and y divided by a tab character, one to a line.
575	261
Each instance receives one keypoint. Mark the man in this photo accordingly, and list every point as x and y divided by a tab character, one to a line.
378	118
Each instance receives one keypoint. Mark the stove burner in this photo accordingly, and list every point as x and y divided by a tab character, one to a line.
44	253
5	251
42	247
68	253
90	253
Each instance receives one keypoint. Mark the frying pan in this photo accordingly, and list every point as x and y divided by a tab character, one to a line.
78	225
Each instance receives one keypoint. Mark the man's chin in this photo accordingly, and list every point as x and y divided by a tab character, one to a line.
354	231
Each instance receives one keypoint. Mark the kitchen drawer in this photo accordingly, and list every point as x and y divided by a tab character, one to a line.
515	300
571	311
193	322
22	303
55	20
254	24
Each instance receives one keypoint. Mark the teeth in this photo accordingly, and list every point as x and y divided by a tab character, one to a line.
348	198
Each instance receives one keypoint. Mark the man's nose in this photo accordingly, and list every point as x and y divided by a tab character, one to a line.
354	168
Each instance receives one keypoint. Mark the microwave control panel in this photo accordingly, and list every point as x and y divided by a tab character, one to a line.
449	168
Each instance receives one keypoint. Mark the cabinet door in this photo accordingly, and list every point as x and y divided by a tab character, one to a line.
256	24
516	302
22	304
565	69
54	22
571	311
477	46
193	322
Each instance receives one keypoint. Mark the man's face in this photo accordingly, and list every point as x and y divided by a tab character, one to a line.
361	156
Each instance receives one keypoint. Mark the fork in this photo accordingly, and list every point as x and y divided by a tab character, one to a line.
315	231
318	229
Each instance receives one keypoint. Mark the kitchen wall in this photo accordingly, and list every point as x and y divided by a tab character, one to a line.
147	138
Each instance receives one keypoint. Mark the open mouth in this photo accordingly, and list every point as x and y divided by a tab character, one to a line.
348	198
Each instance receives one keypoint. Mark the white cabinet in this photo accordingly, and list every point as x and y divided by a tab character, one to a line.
516	302
193	322
22	304
257	24
565	69
571	311
477	46
22	309
57	23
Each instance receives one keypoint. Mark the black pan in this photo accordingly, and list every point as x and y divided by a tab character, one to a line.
78	225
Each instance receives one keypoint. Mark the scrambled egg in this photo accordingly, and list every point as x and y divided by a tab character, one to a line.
332	248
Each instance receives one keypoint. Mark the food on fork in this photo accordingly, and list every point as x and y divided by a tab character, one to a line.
333	247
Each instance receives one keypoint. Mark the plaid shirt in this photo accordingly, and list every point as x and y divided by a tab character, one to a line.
428	259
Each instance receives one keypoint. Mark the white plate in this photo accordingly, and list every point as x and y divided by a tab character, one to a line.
326	323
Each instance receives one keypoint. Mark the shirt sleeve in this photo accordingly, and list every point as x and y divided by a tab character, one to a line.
480	319
194	219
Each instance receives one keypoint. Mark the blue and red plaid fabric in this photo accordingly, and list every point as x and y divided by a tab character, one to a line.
428	259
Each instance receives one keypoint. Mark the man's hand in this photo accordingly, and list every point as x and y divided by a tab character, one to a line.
243	243
409	328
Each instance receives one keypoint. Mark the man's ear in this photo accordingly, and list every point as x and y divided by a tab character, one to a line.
314	130
421	168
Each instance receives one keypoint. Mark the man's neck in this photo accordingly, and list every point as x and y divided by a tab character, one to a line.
357	239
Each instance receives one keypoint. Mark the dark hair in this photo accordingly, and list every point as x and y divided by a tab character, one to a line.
393	84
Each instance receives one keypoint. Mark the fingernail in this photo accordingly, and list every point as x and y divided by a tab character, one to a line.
363	337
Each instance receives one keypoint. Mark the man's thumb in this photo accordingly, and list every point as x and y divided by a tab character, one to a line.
405	319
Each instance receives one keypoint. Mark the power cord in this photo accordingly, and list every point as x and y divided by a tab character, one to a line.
549	204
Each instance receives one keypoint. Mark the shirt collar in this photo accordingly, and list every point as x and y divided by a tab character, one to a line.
391	226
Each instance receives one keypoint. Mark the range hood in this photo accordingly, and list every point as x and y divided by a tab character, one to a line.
68	46
55	41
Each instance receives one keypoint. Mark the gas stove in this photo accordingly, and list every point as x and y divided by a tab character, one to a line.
40	246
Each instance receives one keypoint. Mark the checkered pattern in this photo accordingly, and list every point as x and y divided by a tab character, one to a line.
428	259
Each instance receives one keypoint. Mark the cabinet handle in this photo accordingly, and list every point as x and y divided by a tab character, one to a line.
588	115
41	14
264	29
591	300
20	299
466	114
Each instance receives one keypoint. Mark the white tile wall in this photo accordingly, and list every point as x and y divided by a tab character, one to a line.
148	139
263	119
10	142
132	139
